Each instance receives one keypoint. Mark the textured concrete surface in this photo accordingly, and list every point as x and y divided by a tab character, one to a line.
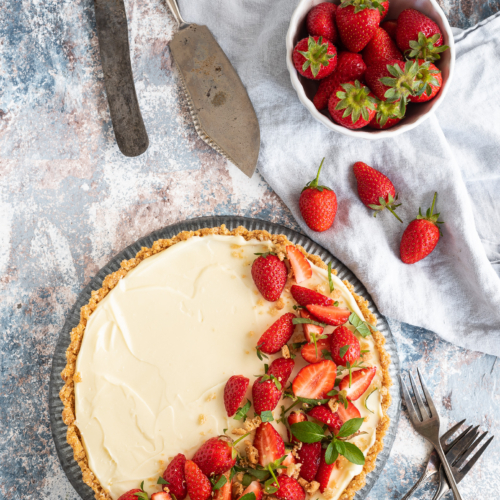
69	201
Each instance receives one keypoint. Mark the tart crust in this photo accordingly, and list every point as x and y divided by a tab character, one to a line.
70	376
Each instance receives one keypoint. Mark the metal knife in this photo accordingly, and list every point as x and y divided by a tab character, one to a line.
112	32
222	112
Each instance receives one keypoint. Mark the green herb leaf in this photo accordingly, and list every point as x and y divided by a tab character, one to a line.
241	413
220	483
307	321
142	495
233	473
330	280
260	354
327	354
332	393
313	402
353	454
307	432
269	487
350	427
298	345
261	475
340	446
248	496
343	350
336	303
162	481
142	486
267	416
360	325
331	453
366	399
247	479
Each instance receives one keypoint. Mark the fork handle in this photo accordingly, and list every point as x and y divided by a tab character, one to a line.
422	478
447	469
443	487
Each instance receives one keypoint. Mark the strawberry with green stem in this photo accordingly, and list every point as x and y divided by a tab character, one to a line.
134	494
388	115
429	82
314	57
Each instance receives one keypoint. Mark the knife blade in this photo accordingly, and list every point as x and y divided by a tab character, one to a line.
112	33
222	112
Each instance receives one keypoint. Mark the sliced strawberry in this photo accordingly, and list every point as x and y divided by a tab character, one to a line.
289	489
269	444
255	488
339	339
293	418
324	473
224	493
198	485
160	495
301	267
305	296
277	335
314	353
281	368
130	495
308	328
174	475
347	414
360	381
309	456
326	416
314	381
289	460
234	393
215	456
330	315
265	395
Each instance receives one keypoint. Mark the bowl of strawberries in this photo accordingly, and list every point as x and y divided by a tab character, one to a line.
370	69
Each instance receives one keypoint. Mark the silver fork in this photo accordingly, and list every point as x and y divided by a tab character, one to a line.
427	425
433	463
457	457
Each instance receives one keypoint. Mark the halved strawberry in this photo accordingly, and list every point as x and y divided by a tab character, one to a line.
324	473
308	328
265	395
314	381
160	495
224	493
360	381
269	444
314	353
289	460
330	315
281	368
294	418
234	393
215	456
326	416
304	296
198	485
277	335
289	489
130	495
343	341
309	456
301	267
346	414
255	488
174	475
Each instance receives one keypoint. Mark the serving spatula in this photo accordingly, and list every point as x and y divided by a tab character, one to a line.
222	112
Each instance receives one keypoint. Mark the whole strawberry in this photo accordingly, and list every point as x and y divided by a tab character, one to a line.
174	475
321	21
339	339
390	27
234	393
265	394
429	82
381	48
130	495
281	368
215	456
352	105
289	489
314	57
198	485
388	115
318	204
269	275
325	90
421	236
277	335
357	21
375	190
385	9
418	36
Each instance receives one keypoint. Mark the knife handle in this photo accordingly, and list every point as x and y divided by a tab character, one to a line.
112	31
174	8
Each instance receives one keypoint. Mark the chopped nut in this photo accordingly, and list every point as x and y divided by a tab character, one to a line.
239	431
311	487
321	288
77	377
328	494
333	405
285	352
260	302
252	423
202	419
279	304
293	470
251	334
251	451
211	396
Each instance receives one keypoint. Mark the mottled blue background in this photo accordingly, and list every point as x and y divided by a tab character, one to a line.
69	201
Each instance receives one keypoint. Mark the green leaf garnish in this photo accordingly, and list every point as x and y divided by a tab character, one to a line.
162	481
343	350
267	416
241	413
307	432
307	321
366	399
330	280
331	453
353	454
350	427
248	496
247	479
360	326
220	482
327	354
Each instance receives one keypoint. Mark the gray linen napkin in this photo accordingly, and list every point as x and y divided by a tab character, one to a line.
455	292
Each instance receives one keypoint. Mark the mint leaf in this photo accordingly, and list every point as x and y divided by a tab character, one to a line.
261	475
340	446
241	413
360	326
353	454
249	496
220	483
247	479
307	321
327	354
142	495
331	454
307	432
313	402
330	281
266	416
350	427
161	481
343	350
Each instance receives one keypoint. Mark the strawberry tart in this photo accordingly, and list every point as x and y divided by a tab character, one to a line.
230	365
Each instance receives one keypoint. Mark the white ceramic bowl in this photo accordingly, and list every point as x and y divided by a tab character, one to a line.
416	113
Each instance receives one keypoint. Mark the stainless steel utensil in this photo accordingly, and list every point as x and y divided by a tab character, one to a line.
222	112
428	424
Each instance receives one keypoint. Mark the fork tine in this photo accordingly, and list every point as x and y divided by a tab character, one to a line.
447	435
448	447
460	447
430	403
468	451
409	403
460	475
423	412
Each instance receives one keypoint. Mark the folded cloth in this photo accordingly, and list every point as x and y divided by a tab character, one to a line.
454	292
